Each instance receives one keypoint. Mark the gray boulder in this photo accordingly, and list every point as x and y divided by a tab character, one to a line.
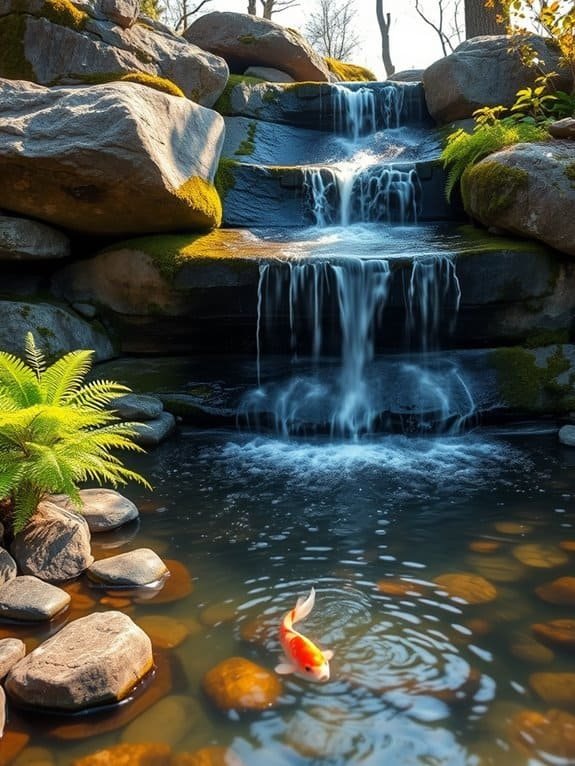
153	432
92	661
567	436
12	650
31	600
137	407
98	41
485	71
8	568
134	569
103	509
526	189
23	239
407	75
55	329
268	73
109	159
244	40
563	128
54	545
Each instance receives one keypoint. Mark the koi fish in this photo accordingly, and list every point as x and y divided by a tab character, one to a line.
302	656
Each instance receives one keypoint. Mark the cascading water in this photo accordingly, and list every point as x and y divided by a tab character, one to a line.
331	310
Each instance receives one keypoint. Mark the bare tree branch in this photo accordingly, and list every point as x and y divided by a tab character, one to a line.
331	30
179	13
446	39
384	22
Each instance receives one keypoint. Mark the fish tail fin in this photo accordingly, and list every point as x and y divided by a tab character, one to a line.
303	606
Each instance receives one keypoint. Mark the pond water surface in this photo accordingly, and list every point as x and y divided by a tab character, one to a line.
418	677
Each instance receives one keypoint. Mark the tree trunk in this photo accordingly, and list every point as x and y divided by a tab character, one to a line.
480	20
384	21
252	7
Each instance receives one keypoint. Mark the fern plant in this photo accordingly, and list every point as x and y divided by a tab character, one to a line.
55	432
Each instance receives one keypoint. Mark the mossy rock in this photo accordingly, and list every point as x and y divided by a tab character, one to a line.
224	103
494	186
349	72
202	196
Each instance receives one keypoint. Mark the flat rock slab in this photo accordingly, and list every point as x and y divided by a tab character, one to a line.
30	599
12	650
103	509
91	661
153	432
24	240
137	407
133	569
55	544
8	568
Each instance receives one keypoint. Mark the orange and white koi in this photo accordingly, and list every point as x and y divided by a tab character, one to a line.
302	656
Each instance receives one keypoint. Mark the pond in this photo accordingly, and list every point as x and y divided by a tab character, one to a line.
419	676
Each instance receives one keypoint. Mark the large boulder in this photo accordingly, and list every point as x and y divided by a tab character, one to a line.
108	159
526	189
56	330
485	71
244	40
57	43
54	545
24	240
91	661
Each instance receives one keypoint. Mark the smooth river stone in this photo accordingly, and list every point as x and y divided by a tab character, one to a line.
12	650
92	661
484	546
137	407
30	599
164	632
540	555
153	432
133	569
399	588
526	648
241	685
567	545
103	509
497	567
553	733
149	754
471	588
560	592
554	688
559	633
513	527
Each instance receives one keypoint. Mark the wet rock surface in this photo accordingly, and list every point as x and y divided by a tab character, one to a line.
153	432
471	588
133	569
239	684
12	650
31	600
102	509
8	568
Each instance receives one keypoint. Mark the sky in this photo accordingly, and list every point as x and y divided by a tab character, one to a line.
414	45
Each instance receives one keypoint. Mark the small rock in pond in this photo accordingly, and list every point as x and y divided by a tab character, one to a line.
552	732
513	528
152	432
526	648
8	568
91	661
103	509
148	754
471	588
137	407
12	650
560	633
55	545
133	569
554	688
497	567
567	436
216	614
239	684
213	755
540	555
399	588
169	720
31	600
484	546
567	545
11	744
164	632
560	592
177	586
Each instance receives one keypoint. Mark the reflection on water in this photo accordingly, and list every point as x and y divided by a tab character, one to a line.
419	676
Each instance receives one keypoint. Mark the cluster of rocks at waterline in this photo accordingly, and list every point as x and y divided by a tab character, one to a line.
99	657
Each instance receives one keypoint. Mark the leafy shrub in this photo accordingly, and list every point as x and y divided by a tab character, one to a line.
54	431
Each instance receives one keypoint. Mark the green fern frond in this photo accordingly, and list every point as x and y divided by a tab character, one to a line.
98	393
18	381
25	504
65	377
34	356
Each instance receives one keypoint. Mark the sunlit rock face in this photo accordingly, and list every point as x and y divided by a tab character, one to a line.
108	159
99	40
244	41
485	71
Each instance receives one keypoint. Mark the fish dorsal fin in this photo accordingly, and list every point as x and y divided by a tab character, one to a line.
304	606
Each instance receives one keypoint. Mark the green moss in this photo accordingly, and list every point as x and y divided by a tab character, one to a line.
546	338
248	145
225	178
45	333
202	196
142	78
349	72
247	39
13	63
224	103
64	13
494	188
526	386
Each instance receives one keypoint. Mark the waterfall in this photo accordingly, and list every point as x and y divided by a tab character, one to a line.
359	111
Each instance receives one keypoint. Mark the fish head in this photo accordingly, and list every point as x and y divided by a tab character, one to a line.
318	672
